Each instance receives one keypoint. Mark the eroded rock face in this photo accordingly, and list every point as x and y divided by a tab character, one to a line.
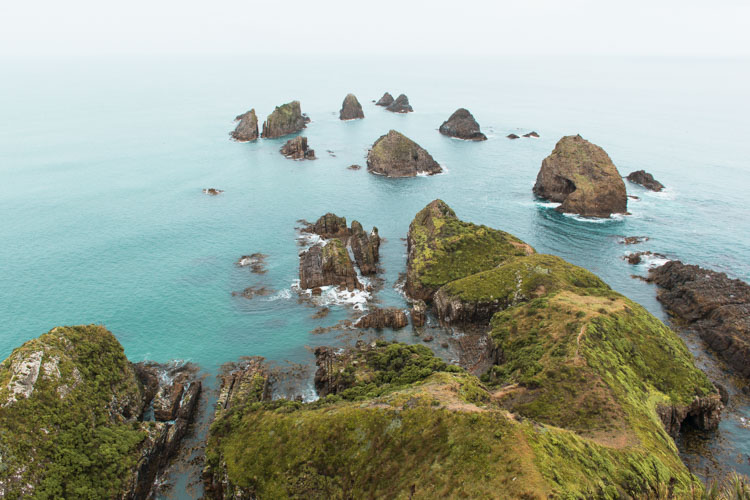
329	225
383	318
285	119
400	105
703	413
247	128
328	265
462	125
297	149
645	179
418	313
711	303
395	155
365	247
351	109
581	176
386	100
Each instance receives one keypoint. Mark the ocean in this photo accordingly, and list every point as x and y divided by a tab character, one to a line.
103	162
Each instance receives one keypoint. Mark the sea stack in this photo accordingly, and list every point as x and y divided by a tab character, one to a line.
645	179
400	105
386	100
351	109
247	128
285	119
581	176
462	125
395	155
297	149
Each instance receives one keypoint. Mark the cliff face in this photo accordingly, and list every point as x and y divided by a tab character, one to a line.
395	155
297	149
72	407
581	176
285	119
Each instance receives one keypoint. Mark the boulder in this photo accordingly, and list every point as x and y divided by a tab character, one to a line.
395	155
581	176
328	265
400	105
383	318
247	128
711	303
645	179
351	109
297	149
354	167
386	100
462	125
285	119
365	247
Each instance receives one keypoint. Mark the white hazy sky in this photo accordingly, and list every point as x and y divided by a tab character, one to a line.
632	27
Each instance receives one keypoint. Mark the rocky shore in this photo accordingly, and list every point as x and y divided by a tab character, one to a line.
395	155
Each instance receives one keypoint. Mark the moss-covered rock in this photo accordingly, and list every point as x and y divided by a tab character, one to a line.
285	119
395	155
442	248
328	265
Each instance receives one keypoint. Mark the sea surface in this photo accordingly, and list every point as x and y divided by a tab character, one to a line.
103	219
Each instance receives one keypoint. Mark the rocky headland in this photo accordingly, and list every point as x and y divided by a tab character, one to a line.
297	149
386	100
400	105
80	421
645	179
395	155
710	303
284	120
247	128
351	109
582	178
462	125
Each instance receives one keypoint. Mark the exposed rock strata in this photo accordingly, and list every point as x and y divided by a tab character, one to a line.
365	247
297	149
418	313
285	119
383	318
400	105
462	125
395	155
531	134
702	413
386	100
328	226
351	109
327	265
645	179
581	176
247	128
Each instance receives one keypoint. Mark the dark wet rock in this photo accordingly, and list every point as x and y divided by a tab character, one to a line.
247	128
418	313
354	167
212	191
328	265
400	105
632	240
637	257
462	125
531	134
645	179
256	262
581	176
383	318
253	291
365	247
395	155
711	303
297	149
329	225
512	136
386	100
285	119
703	413
321	313
351	109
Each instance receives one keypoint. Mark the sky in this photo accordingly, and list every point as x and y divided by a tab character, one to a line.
481	27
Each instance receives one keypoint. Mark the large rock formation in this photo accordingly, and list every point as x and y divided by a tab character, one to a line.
327	265
395	155
297	149
285	119
72	414
581	176
351	109
462	125
365	247
400	105
645	179
247	128
329	225
386	100
378	318
714	305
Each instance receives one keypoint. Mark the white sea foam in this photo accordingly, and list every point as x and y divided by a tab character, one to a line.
596	220
285	294
547	204
331	295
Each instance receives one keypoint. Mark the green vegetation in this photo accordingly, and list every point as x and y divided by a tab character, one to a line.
336	251
69	438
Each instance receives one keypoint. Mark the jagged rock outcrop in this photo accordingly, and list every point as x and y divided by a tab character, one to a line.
531	134
418	313
328	226
247	128
297	149
711	303
581	176
365	247
73	398
702	413
351	109
378	318
285	119
462	125
395	155
327	265
386	100
400	105
645	179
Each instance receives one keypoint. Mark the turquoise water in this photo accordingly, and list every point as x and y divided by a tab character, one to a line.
102	162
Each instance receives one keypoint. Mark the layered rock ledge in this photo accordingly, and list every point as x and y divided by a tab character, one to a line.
582	178
395	155
284	120
462	125
383	318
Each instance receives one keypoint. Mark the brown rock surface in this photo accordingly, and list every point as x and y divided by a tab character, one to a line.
247	128
297	149
383	318
395	155
351	109
462	125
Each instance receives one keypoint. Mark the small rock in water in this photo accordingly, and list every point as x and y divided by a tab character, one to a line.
252	292
297	149
531	134
256	261
632	240
321	313
645	179
512	136
400	105
212	191
386	100
354	167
